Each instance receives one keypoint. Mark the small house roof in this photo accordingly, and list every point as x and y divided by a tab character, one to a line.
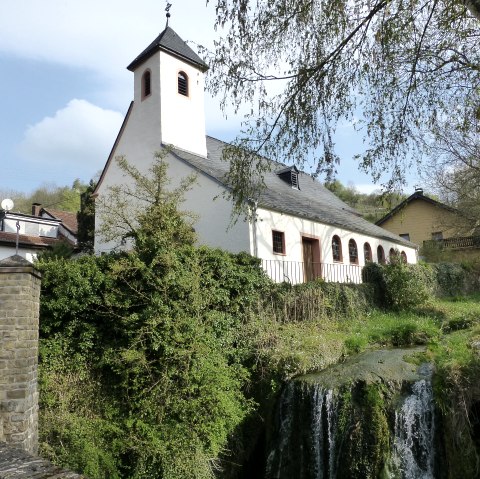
417	196
68	219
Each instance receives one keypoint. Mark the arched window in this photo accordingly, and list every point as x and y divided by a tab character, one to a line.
353	251
367	252
392	255
336	248
403	256
380	254
146	84
183	83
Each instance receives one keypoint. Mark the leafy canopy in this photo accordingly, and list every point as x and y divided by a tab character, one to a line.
404	66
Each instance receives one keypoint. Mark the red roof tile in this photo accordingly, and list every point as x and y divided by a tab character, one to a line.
25	240
69	219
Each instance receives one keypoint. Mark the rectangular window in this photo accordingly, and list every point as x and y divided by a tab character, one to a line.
438	235
405	236
278	240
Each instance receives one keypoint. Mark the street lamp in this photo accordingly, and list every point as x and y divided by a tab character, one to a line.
7	205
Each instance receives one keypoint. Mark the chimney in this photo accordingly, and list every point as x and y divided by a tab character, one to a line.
419	191
36	207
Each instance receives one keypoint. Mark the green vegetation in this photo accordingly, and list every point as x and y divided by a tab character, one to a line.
123	385
64	198
371	206
164	361
367	431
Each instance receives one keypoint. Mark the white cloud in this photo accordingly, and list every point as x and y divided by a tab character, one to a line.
77	138
103	36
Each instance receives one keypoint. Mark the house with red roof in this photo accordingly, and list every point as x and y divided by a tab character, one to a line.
30	235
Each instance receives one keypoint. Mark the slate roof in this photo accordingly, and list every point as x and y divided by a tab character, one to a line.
169	42
312	201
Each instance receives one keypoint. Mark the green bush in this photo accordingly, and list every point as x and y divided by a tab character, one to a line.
153	348
399	285
450	278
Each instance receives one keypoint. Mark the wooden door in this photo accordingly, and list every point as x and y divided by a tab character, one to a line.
312	268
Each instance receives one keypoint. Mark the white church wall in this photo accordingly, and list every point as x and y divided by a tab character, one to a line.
213	225
183	117
294	228
205	200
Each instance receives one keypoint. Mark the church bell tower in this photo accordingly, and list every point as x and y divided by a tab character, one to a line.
169	93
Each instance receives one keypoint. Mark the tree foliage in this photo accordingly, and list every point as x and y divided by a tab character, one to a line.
66	198
144	210
454	172
86	219
403	66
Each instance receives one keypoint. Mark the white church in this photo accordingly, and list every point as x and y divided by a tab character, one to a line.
301	231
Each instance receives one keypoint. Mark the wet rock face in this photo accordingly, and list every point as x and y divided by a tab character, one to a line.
372	416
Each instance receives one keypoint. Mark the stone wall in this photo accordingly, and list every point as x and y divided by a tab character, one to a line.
16	464
19	312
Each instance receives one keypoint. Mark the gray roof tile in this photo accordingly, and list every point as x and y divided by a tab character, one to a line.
169	42
312	201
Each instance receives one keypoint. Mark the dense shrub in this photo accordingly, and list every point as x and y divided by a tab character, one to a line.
151	353
450	279
400	285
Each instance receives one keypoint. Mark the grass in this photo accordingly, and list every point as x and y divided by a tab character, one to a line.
446	327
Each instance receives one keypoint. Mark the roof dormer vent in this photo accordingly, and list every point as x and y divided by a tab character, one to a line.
290	176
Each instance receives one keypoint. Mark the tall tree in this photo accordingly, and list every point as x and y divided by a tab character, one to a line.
454	171
145	211
401	65
86	219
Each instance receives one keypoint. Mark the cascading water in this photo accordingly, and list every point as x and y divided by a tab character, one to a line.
344	424
307	425
414	454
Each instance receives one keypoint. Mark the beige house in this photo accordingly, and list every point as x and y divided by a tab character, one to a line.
427	222
420	218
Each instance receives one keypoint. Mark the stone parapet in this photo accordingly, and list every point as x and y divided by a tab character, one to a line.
19	314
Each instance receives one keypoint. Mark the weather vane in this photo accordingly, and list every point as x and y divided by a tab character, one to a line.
169	5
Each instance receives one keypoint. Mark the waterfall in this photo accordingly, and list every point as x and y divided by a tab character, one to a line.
413	454
306	443
306	434
370	417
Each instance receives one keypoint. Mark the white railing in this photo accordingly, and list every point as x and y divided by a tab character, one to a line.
296	272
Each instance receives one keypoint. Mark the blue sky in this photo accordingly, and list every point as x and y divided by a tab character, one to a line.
64	87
